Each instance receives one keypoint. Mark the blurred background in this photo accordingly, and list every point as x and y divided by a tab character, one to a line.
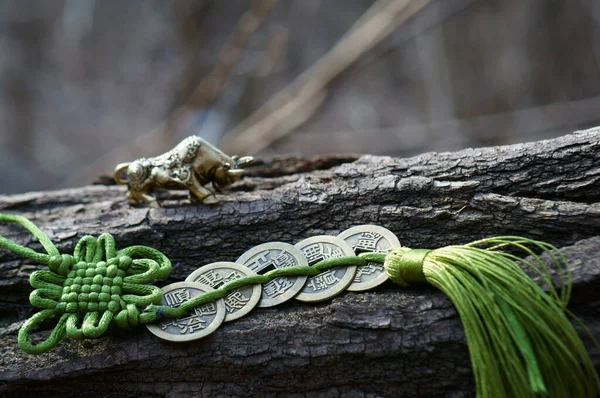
86	84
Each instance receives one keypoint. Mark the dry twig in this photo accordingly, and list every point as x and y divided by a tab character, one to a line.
299	100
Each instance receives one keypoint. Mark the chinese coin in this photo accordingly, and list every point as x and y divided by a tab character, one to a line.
269	256
369	238
237	303
200	322
332	282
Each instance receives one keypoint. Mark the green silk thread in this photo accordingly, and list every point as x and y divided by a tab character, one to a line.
520	340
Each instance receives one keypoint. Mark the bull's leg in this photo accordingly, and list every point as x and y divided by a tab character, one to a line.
131	199
135	197
200	194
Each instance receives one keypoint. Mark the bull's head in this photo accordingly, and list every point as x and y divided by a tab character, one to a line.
227	174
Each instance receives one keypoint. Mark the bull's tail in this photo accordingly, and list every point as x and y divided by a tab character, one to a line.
119	170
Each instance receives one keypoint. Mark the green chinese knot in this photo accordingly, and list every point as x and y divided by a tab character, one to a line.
87	291
94	286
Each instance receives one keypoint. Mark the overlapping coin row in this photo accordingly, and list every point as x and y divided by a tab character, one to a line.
206	318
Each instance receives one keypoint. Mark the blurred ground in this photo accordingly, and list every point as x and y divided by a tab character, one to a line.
79	78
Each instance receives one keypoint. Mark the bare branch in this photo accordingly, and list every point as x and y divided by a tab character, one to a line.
272	121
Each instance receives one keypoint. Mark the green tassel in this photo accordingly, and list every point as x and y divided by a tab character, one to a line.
520	340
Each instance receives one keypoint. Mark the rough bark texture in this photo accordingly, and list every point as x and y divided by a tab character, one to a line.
390	342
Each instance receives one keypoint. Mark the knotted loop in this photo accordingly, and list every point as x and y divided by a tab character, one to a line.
47	280
88	250
95	324
404	266
141	295
44	298
155	265
72	328
61	264
32	323
128	318
107	243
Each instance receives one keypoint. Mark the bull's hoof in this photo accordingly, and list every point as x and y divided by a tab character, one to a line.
154	204
194	198
210	200
132	200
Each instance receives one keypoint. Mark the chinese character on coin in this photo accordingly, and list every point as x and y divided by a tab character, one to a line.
369	238
200	322
332	282
239	302
273	255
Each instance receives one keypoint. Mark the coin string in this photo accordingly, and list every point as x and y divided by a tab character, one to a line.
520	340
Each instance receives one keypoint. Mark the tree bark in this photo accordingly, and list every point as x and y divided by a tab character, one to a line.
390	342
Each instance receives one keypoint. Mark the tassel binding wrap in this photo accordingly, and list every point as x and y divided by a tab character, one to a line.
520	340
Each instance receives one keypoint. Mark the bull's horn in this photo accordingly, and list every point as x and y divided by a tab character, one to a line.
236	172
119	170
244	161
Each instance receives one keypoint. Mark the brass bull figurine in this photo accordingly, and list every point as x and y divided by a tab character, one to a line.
192	164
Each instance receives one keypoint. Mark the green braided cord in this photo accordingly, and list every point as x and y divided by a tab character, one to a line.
373	257
88	290
156	312
36	232
520	340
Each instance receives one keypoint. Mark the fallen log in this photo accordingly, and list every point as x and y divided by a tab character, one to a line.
389	342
